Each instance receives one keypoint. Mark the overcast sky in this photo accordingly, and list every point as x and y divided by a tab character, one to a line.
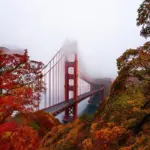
104	29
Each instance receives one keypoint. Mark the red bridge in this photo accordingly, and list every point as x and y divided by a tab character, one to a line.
66	84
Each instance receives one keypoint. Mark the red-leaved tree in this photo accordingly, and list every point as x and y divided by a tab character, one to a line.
20	88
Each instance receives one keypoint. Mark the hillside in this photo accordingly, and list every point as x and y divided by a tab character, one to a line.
122	121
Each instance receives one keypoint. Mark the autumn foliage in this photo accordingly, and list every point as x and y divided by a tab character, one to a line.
134	67
121	123
20	88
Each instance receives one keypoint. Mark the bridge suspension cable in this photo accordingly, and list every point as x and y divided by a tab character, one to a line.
65	84
54	79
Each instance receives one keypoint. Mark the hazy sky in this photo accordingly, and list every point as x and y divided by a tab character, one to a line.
104	29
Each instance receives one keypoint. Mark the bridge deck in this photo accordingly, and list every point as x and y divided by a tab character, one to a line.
58	108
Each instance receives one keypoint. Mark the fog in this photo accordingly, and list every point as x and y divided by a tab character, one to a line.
102	29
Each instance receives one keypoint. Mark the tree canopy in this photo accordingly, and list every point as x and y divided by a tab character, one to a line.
143	18
20	88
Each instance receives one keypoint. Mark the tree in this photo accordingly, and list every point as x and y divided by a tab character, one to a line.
133	66
21	85
144	18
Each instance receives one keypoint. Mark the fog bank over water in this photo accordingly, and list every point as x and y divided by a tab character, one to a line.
102	29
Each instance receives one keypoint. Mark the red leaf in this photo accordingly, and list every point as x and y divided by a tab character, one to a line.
8	126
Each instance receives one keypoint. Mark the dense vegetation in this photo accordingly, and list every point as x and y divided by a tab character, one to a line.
20	86
121	122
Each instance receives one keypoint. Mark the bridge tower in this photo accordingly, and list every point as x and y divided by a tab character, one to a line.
71	77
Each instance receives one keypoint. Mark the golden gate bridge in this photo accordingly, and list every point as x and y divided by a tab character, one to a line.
66	85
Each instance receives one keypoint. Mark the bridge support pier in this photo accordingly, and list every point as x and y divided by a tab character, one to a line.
71	111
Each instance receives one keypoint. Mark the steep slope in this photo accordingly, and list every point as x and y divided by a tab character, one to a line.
123	119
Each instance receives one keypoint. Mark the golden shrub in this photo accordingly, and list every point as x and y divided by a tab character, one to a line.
87	144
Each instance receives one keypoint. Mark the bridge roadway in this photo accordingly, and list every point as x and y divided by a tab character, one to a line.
58	108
